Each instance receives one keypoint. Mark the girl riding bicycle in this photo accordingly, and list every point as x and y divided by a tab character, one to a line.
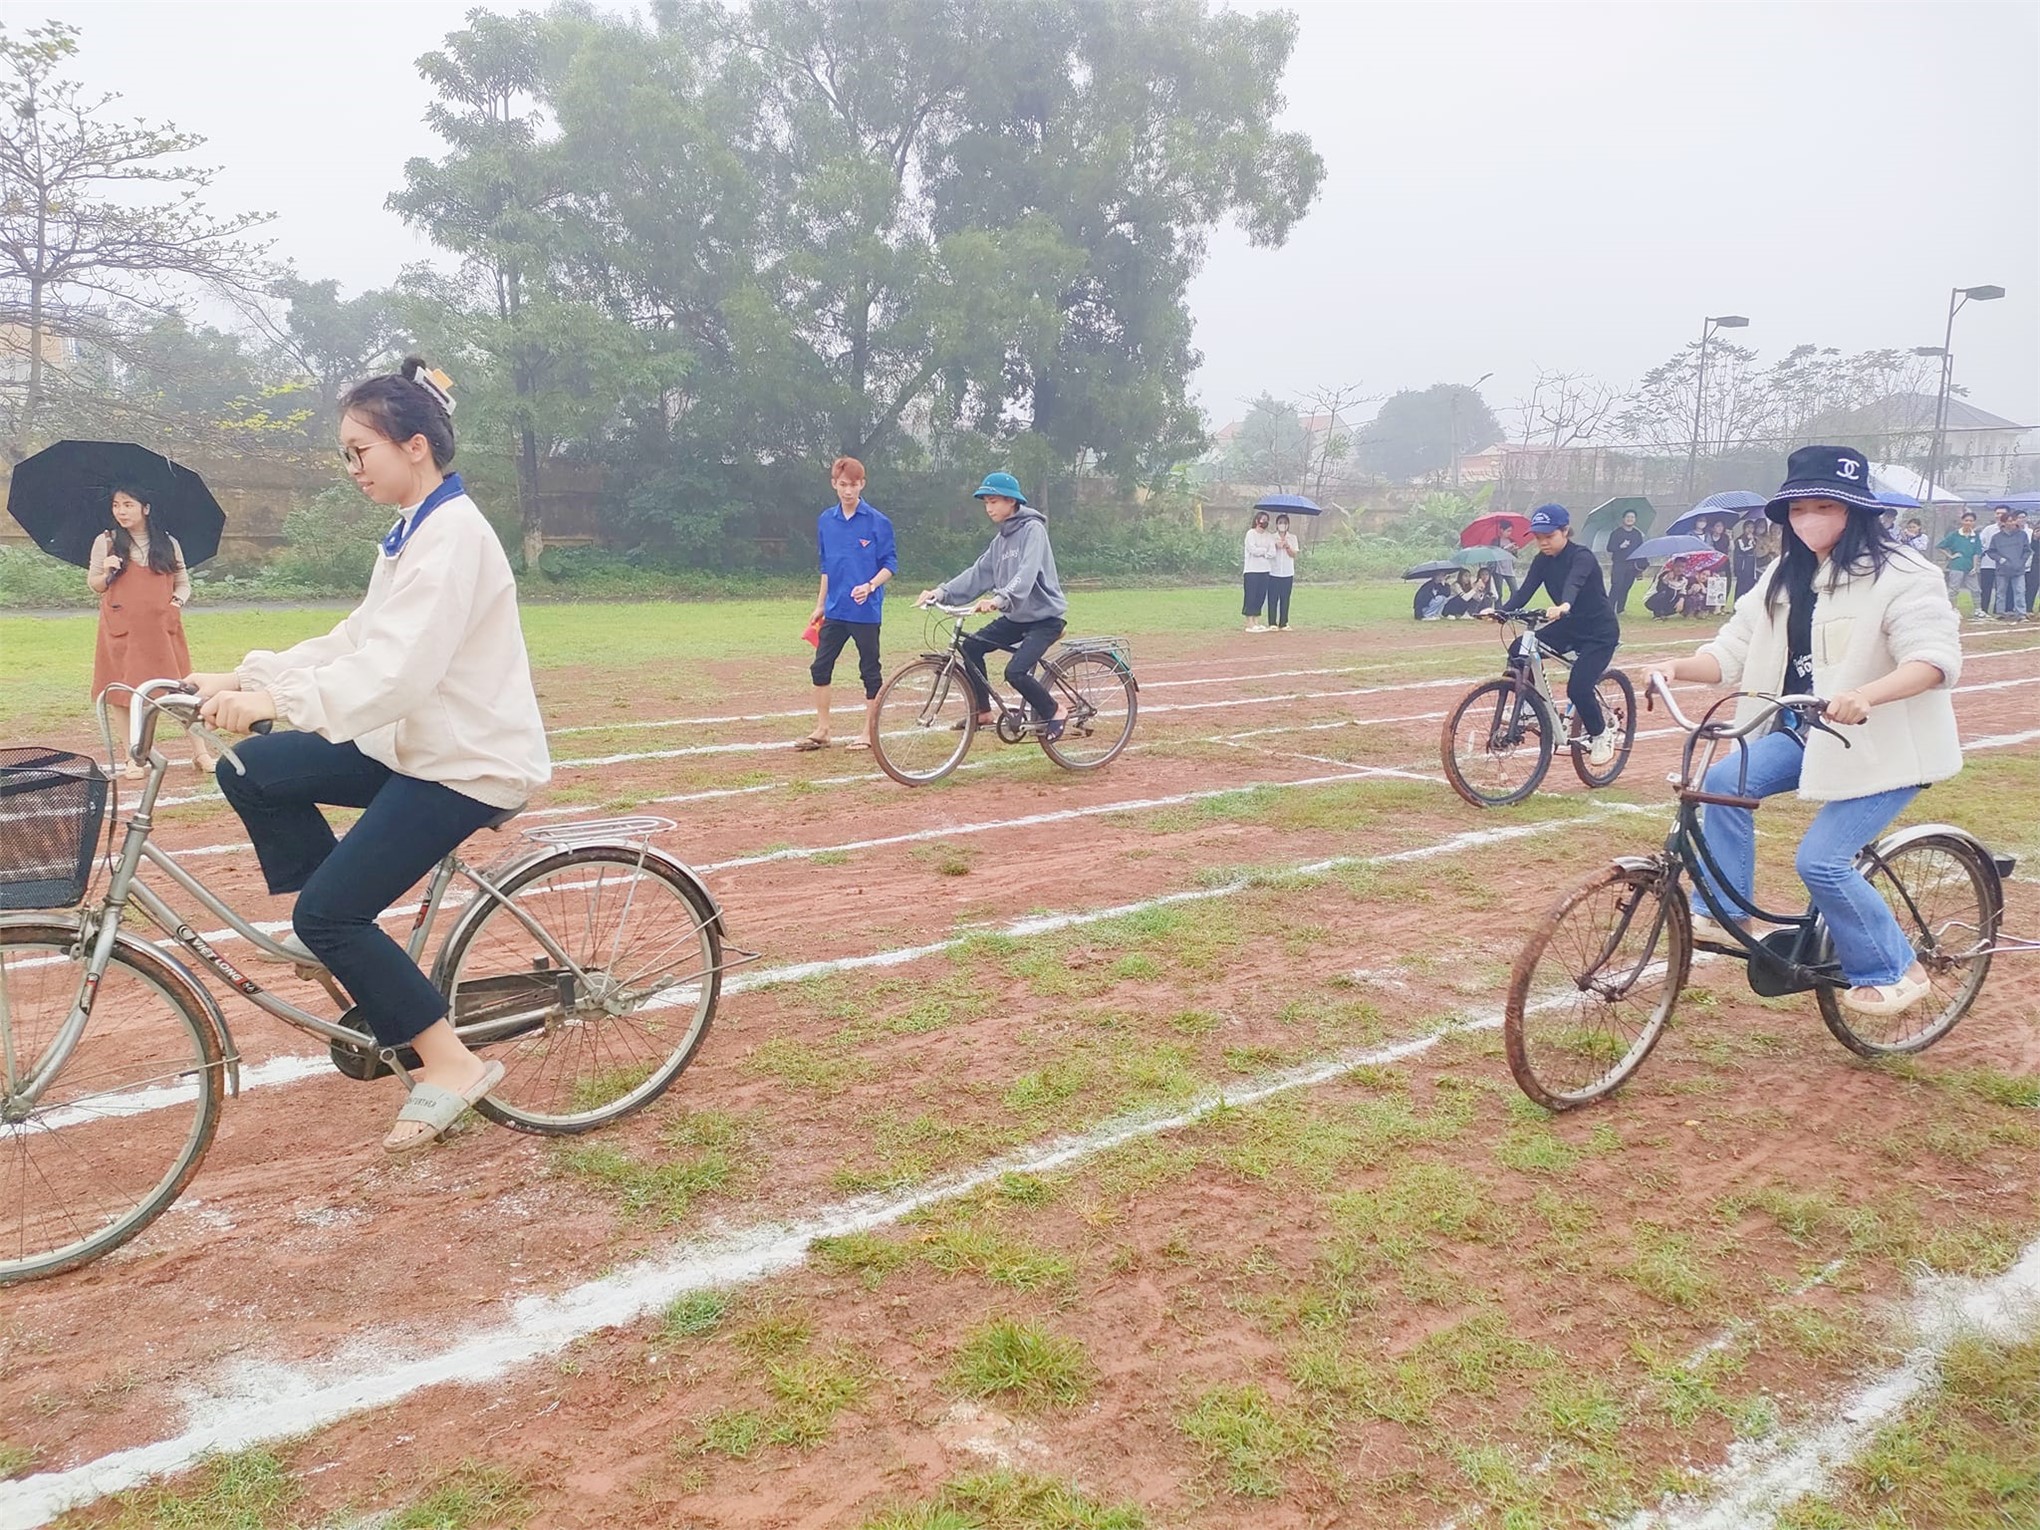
417	708
1848	614
1581	619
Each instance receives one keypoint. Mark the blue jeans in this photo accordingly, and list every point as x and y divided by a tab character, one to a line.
407	827
2011	593
1869	945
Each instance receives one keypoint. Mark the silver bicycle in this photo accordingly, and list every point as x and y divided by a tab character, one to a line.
583	959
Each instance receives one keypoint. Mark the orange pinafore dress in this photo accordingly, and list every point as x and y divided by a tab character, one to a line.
141	630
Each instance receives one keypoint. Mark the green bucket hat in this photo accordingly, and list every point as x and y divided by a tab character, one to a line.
1002	485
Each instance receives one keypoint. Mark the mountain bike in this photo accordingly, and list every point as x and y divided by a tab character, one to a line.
585	960
1599	977
927	715
1499	741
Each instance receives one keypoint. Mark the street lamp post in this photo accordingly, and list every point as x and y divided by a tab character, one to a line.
1707	329
1452	437
1957	296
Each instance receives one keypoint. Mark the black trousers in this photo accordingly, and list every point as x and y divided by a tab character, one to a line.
829	645
407	826
1591	658
1986	581
1624	576
1028	641
1256	591
1279	586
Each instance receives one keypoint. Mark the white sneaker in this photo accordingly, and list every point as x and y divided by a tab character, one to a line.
1601	751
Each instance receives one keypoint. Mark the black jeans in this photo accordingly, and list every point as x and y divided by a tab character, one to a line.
342	885
1618	589
829	645
1279	586
1028	641
1591	657
1254	584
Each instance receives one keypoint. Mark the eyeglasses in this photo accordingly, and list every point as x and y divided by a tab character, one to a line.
351	455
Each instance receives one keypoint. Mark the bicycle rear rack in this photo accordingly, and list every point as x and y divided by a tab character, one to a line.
587	831
1114	647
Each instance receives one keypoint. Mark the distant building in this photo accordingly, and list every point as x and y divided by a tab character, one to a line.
58	351
1978	448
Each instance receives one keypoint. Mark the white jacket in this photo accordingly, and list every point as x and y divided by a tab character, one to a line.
1863	629
1259	553
428	675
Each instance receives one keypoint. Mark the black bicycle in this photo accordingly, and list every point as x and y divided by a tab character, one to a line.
927	717
1498	742
1598	979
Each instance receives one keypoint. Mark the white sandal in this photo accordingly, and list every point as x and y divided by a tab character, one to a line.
1887	998
430	1110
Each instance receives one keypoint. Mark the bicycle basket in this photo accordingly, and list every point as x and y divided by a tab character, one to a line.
1112	647
51	806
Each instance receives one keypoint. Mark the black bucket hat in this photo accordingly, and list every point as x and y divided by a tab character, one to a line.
1824	472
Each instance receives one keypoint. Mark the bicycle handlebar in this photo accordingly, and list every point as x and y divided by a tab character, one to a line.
180	704
956	611
1812	708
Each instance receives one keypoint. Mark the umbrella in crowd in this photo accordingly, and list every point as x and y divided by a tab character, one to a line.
1892	499
2028	501
1288	504
1476	557
1669	547
1427	570
61	496
1483	531
1693	519
1696	562
1732	499
1605	517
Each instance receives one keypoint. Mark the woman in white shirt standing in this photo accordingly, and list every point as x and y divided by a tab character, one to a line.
1848	614
1281	574
1259	563
418	708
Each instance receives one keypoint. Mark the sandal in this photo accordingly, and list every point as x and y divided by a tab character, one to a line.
809	744
431	1110
1887	998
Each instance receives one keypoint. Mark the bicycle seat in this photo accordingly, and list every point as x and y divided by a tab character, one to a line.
505	816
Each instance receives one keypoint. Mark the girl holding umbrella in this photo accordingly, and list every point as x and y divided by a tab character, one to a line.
143	587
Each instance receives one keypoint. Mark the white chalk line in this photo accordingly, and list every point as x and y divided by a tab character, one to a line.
1761	1480
261	1401
290	1068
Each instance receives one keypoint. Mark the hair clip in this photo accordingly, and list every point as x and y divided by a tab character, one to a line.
438	384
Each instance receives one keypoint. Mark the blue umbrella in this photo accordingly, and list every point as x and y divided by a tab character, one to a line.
1732	499
1669	547
1684	525
1896	500
2028	501
1295	504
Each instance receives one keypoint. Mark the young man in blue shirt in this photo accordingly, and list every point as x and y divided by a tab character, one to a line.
855	544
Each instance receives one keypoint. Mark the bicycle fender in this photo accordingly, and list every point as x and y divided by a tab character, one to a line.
501	874
1891	844
146	953
1648	863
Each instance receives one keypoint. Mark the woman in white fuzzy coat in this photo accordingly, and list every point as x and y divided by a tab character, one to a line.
1847	614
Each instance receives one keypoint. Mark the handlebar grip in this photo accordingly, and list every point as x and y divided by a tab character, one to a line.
261	725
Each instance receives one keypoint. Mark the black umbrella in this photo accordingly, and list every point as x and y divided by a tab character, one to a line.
1426	570
61	495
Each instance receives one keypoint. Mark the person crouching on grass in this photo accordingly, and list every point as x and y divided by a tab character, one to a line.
1015	577
858	561
418	709
1848	614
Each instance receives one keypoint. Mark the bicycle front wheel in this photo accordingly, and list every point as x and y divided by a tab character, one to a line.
1497	743
1618	709
925	722
1099	705
1945	897
1591	991
581	1048
123	1126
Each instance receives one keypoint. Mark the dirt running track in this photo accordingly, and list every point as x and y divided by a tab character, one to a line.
300	1248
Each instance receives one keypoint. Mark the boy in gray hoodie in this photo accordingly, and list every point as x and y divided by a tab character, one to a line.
1015	577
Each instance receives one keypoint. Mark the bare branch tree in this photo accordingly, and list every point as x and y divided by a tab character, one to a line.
74	232
1566	409
1333	442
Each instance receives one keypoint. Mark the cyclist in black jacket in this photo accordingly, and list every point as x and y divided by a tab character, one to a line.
1581	619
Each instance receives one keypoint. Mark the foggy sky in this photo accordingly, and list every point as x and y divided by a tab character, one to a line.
1508	186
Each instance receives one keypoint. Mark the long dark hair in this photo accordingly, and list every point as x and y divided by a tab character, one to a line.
400	407
1865	547
162	558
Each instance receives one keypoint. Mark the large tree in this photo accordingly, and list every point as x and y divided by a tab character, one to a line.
100	220
1419	432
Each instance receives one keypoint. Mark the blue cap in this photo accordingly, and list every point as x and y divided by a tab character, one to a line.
1002	486
1550	518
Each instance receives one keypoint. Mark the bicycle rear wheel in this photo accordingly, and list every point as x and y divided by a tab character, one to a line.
1618	708
1945	897
581	1050
1592	989
1497	743
925	722
1099	704
127	1119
